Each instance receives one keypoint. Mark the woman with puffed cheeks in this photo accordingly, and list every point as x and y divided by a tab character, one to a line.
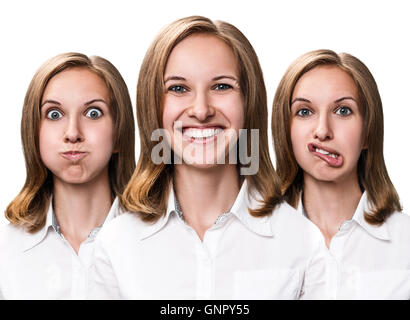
204	223
327	124
77	132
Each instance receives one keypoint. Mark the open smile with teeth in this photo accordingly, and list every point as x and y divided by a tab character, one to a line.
201	134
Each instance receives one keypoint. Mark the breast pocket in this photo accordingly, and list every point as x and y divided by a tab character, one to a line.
388	284
267	284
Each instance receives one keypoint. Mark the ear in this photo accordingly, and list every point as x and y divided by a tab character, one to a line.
365	145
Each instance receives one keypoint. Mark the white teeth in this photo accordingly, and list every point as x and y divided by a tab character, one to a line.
321	151
202	133
326	153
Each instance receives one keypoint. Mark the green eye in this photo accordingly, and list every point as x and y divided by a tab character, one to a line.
343	111
93	113
54	114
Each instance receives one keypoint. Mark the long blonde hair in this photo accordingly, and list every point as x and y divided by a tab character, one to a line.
29	208
372	172
148	189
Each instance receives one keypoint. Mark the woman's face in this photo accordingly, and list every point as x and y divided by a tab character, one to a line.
203	108
76	127
326	124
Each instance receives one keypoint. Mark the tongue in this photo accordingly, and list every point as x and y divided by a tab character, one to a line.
333	162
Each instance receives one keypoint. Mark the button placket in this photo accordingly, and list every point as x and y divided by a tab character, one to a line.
204	272
205	254
78	278
335	253
338	271
332	271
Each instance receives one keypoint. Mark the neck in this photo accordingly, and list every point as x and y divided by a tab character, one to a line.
80	208
329	204
204	194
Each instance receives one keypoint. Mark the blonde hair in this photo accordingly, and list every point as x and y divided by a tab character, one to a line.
372	172
29	208
148	189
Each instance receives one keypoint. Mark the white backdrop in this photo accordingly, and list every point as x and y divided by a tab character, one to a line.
377	32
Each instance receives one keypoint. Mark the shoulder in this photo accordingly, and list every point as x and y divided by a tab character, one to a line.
11	237
399	224
399	217
119	238
9	232
125	225
290	224
284	216
288	217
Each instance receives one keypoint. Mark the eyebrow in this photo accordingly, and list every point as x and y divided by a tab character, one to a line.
336	101
86	104
95	100
223	77
50	101
174	78
178	78
300	99
345	98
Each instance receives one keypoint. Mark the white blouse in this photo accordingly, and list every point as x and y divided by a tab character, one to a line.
43	265
241	257
369	262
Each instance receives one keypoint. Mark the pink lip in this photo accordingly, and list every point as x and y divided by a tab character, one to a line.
333	162
209	126
73	155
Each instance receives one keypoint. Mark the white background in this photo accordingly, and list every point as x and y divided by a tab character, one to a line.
377	32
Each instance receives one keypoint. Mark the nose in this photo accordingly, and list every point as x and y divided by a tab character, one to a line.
73	131
201	109
323	130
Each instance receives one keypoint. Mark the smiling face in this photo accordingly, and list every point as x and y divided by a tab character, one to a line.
203	107
76	127
326	124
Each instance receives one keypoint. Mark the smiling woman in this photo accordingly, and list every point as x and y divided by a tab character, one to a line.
78	141
207	102
199	229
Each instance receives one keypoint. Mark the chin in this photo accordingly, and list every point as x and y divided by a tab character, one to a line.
328	176
205	159
75	177
75	180
194	163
